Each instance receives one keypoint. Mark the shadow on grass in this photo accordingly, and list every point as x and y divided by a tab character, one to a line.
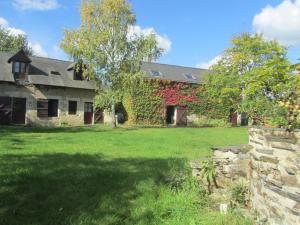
63	189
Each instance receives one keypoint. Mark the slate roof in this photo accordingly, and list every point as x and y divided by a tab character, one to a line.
40	72
174	73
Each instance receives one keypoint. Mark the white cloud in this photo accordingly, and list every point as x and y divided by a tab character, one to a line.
207	65
3	22
36	4
163	41
38	49
281	22
13	31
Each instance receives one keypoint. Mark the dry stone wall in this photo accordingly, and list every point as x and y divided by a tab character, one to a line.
274	175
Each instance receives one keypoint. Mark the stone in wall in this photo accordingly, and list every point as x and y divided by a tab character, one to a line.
275	175
231	163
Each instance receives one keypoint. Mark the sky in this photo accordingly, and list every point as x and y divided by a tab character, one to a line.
192	32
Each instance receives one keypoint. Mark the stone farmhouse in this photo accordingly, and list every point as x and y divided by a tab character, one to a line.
44	91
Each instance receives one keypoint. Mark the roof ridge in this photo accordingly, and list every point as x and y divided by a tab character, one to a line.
61	60
165	64
35	56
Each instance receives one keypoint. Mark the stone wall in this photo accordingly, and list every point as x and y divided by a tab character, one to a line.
275	175
232	164
34	92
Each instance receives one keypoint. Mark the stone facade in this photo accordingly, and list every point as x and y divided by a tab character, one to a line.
34	92
275	175
232	164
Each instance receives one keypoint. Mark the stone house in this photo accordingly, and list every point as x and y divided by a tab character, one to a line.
175	114
43	91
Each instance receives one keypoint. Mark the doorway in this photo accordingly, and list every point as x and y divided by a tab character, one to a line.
170	115
5	110
18	111
88	113
98	116
181	117
12	110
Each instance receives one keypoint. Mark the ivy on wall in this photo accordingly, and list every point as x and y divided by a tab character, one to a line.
146	101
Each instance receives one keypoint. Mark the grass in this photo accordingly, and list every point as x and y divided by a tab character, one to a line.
95	175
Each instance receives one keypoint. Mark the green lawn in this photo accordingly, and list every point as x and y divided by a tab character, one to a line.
95	175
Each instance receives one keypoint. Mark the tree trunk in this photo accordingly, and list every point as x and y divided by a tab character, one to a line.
113	116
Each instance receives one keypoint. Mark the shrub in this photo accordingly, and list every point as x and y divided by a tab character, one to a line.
239	194
208	173
208	122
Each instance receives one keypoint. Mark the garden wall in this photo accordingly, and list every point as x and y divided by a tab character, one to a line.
275	175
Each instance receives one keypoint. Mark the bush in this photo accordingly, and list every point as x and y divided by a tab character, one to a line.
239	194
208	122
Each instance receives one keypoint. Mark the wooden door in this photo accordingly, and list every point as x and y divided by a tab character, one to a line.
5	110
233	118
88	113
181	118
98	116
18	110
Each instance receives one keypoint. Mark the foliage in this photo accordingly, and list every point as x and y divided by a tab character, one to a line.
13	43
146	99
204	121
96	175
105	41
252	76
208	173
176	93
208	106
142	104
239	194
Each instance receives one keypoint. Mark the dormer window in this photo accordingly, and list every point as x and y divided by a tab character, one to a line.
78	75
20	67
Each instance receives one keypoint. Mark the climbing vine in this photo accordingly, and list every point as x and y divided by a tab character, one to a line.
146	101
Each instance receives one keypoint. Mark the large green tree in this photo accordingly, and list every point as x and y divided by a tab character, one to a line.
252	76
106	43
13	43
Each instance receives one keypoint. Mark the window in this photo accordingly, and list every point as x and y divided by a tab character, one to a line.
190	76
155	73
88	107
47	108
78	75
42	108
72	107
19	67
55	72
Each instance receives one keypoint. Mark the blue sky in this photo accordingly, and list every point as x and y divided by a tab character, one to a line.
193	31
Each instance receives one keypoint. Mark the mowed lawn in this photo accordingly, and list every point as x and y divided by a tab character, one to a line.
95	175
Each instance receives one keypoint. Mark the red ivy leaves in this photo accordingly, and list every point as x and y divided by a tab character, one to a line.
178	94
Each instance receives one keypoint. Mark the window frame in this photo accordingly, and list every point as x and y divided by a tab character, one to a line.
156	73
21	68
74	111
42	105
44	109
190	76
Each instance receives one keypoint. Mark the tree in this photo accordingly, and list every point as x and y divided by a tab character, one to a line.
13	43
252	76
105	42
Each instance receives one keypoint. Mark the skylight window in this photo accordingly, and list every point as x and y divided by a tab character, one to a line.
55	72
156	73
190	76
